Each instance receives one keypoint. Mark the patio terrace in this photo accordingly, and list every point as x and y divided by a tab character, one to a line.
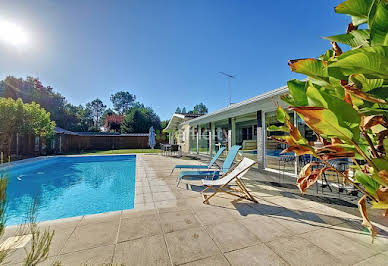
171	226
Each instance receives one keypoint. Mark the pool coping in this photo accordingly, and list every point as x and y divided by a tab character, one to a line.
79	217
40	158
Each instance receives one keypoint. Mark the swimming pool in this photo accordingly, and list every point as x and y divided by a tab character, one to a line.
71	186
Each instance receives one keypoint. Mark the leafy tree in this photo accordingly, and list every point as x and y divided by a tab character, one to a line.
19	118
108	112
178	110
113	122
134	122
200	109
31	89
74	118
85	119
96	108
139	119
345	102
12	119
122	101
164	124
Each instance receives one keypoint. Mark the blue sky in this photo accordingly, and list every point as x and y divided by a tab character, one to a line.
167	53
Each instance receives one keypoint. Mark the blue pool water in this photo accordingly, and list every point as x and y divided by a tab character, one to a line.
71	186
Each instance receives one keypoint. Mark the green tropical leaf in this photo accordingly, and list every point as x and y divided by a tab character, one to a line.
354	38
371	61
276	128
309	67
359	20
282	115
316	70
369	184
298	92
346	115
329	54
365	84
378	23
381	163
380	92
379	180
373	111
358	9
324	122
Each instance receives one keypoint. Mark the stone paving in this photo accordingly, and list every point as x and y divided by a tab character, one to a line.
171	226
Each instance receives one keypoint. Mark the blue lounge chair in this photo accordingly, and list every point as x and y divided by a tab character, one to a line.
205	167
213	174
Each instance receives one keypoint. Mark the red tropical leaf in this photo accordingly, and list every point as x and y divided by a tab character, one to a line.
365	220
299	149
351	27
337	155
337	50
382	193
373	120
294	132
383	175
360	94
348	98
308	177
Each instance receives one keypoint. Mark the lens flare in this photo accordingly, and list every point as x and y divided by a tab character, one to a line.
12	34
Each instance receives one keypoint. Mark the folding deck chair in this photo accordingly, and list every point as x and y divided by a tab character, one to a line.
223	183
204	167
214	173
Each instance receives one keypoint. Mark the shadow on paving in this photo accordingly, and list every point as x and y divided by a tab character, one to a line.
300	216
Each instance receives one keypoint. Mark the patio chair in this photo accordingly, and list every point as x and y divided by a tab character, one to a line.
175	148
341	165
165	149
214	173
223	184
287	159
207	167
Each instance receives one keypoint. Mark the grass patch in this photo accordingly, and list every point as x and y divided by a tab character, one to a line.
122	151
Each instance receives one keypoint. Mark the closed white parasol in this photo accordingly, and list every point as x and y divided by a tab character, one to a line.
151	138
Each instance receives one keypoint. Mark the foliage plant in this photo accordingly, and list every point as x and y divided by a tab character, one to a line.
40	242
23	118
344	100
82	118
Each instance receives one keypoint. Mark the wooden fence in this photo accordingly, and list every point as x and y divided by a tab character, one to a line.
76	143
70	142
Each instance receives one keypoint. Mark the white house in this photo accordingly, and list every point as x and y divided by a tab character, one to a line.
242	123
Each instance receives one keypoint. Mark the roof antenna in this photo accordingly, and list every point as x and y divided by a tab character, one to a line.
229	77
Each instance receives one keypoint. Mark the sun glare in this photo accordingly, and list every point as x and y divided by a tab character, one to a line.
12	34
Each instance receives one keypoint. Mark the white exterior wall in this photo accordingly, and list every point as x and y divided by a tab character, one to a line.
184	138
265	103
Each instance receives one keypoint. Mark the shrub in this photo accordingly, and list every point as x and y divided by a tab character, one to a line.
344	101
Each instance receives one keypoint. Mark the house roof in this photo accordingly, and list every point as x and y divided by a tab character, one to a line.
177	119
114	134
250	105
60	130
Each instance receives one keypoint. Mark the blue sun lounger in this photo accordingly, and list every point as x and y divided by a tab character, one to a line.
204	167
215	173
